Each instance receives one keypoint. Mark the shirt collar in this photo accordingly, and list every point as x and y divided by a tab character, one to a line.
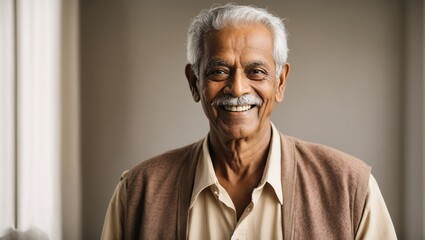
272	171
205	175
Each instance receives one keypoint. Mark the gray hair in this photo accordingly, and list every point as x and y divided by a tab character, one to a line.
217	18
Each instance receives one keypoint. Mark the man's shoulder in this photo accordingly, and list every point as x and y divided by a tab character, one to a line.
319	155
329	184
154	189
168	163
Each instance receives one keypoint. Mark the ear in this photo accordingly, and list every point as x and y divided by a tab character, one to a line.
280	91
193	80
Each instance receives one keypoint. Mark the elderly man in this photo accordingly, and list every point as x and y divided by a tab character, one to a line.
245	180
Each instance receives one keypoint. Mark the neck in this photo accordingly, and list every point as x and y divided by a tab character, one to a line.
235	159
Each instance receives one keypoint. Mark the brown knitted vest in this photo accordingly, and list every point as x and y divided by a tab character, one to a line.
324	193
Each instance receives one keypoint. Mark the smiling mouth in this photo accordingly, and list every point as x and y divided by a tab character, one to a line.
240	108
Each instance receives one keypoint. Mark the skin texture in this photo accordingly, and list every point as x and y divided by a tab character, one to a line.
238	61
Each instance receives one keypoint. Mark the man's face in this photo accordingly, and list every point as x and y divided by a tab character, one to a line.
238	62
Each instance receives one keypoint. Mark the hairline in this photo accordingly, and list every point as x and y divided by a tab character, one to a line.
206	23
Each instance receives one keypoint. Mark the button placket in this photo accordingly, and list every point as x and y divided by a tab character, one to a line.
241	230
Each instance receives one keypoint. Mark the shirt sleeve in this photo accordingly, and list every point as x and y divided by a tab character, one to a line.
114	220
376	221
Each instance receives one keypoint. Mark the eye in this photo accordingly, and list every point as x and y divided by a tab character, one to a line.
217	74
256	74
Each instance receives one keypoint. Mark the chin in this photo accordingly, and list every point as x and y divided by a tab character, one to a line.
237	132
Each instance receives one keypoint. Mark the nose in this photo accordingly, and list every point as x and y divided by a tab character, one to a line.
237	85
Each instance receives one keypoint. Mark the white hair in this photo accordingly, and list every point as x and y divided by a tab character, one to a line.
219	17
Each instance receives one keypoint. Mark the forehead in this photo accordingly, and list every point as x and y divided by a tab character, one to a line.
239	43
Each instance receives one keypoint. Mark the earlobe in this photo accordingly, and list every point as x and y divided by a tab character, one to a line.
192	80
280	91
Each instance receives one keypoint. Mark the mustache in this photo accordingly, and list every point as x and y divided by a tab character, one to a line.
246	99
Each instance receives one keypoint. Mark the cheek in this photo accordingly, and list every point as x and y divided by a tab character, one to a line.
266	108
211	90
268	94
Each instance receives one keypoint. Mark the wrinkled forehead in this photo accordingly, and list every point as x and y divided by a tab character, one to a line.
253	39
230	27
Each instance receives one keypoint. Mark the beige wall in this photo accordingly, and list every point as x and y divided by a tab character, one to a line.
345	87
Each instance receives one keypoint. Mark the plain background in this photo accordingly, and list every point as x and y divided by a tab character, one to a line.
345	88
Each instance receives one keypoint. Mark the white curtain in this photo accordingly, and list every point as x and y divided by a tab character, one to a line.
39	127
7	129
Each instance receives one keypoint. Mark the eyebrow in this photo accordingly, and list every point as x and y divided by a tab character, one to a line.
255	64
214	63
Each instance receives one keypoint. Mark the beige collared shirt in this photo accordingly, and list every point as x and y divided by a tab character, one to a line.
212	214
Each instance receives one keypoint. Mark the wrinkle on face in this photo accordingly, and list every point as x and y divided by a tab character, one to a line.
238	50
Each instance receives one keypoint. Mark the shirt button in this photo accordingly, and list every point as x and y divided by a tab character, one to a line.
215	191
249	208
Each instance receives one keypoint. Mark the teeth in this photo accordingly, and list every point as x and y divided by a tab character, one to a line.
237	108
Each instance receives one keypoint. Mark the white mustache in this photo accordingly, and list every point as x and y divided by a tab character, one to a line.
246	99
